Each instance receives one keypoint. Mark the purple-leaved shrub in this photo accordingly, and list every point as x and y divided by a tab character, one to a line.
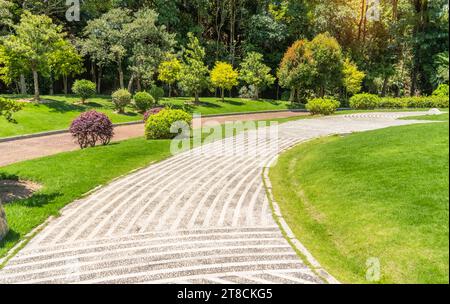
92	127
151	112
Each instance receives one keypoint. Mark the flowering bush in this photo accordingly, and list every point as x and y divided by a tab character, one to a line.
158	125
143	101
92	127
151	112
121	98
84	88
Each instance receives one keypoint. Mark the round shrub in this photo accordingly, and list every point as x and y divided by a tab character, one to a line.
157	93
441	91
92	127
324	106
143	101
158	125
364	101
151	112
121	98
84	88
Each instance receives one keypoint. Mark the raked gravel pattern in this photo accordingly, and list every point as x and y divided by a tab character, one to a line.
198	217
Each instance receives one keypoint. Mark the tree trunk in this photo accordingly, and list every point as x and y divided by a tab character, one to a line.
65	84
292	96
256	97
361	20
222	94
130	83
23	85
36	85
50	87
99	81
170	90
138	84
384	88
121	82
197	98
93	78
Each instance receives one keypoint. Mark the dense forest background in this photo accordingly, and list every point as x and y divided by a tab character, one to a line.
400	53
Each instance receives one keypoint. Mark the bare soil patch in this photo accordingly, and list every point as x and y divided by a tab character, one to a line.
12	190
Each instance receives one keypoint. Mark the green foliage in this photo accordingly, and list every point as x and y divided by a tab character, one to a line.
66	61
143	101
364	101
84	88
169	72
121	98
8	107
194	72
254	72
323	106
35	41
223	76
352	77
442	90
157	93
158	125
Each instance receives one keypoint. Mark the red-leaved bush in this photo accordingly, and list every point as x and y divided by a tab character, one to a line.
92	127
151	112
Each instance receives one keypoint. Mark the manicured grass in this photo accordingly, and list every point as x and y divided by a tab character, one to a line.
382	194
58	114
440	117
212	105
67	176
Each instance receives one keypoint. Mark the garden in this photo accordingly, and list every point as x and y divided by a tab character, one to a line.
381	193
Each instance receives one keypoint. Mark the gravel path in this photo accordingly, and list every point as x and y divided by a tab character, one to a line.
199	217
24	149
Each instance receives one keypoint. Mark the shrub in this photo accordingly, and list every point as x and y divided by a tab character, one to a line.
157	93
92	127
8	107
323	106
392	103
121	98
248	92
143	101
84	88
442	90
158	125
364	101
151	112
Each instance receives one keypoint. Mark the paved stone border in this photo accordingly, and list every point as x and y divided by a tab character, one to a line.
314	264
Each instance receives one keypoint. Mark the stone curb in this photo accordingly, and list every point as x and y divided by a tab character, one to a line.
315	265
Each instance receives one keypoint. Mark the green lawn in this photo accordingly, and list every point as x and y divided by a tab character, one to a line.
382	194
67	176
58	114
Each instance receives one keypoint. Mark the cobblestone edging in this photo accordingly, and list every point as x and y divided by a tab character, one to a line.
287	232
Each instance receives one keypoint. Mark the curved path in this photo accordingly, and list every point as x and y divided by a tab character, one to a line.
199	217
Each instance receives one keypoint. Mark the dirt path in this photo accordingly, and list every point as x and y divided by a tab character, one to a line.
25	149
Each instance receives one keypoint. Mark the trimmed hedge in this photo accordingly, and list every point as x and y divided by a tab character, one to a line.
364	101
157	93
324	106
369	101
84	88
158	125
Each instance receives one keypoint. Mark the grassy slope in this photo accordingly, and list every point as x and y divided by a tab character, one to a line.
377	194
69	175
58	114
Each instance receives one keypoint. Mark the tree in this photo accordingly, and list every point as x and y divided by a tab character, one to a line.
223	76
169	72
66	61
36	39
194	73
297	71
148	43
352	77
255	72
327	59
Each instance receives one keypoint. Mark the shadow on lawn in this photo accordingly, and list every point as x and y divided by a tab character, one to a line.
12	237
